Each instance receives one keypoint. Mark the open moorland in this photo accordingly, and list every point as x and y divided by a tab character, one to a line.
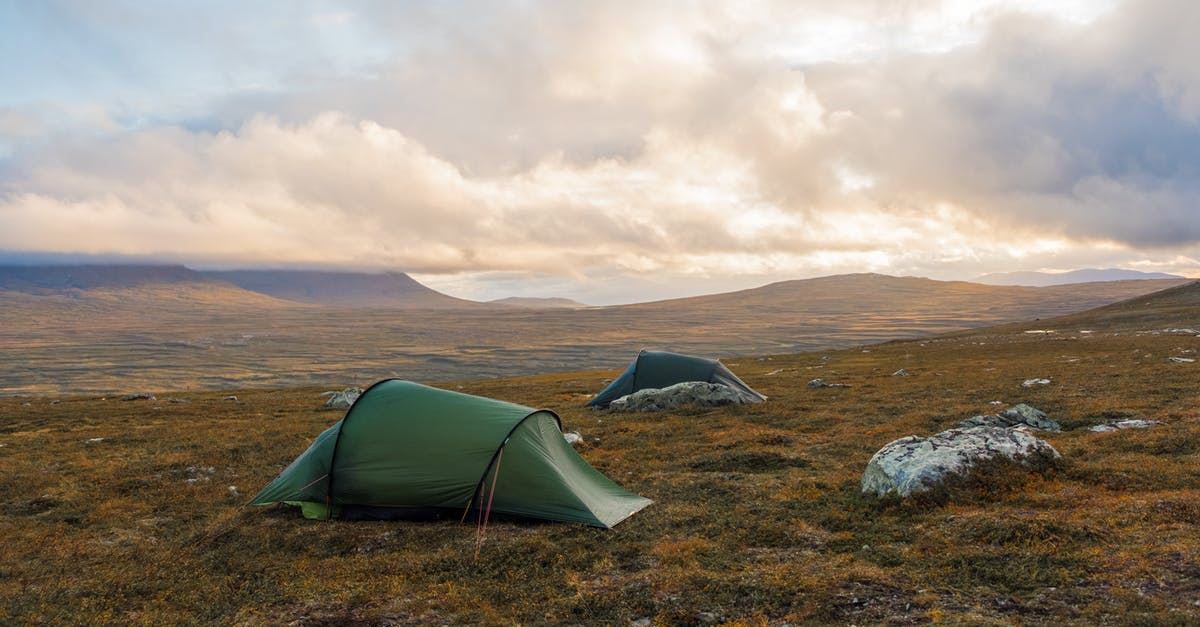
183	331
132	512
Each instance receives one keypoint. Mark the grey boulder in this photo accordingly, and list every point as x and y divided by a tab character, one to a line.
914	464
678	395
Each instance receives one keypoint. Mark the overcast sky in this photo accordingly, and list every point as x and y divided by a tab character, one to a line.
609	151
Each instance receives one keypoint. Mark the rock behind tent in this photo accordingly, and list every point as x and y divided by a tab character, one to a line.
343	399
683	394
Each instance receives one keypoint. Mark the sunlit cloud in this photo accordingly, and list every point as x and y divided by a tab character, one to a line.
610	150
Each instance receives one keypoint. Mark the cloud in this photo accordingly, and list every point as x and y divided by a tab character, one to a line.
604	140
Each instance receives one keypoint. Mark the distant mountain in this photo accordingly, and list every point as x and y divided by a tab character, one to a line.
49	279
344	289
538	303
80	291
130	284
1090	275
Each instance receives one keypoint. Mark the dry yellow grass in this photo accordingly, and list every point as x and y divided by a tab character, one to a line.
122	513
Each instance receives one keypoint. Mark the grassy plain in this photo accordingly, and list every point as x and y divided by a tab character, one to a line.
123	512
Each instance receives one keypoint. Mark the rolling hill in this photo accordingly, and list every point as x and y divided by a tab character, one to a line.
1175	309
160	337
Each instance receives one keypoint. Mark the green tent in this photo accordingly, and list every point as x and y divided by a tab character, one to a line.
405	449
660	369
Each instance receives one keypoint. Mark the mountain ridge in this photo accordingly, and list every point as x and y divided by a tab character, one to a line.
344	289
1085	275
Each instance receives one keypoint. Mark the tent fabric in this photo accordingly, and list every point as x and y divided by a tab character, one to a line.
406	446
660	369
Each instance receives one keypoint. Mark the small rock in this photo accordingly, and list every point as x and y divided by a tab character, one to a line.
343	399
1028	383
996	403
986	420
819	383
1123	424
94	440
1033	417
900	373
230	398
1135	424
233	490
1018	415
55	402
1180	360
640	622
142	396
573	438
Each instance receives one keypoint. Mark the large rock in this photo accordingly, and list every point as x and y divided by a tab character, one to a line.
915	464
1019	415
678	395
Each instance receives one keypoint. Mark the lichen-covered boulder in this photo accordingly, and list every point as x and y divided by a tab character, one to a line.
914	464
678	395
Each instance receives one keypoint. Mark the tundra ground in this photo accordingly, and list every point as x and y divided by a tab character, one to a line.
133	512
